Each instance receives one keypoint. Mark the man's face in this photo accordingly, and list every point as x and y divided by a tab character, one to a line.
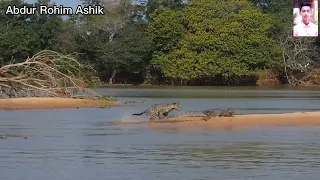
306	13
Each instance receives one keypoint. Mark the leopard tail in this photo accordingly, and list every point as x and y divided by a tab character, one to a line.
139	114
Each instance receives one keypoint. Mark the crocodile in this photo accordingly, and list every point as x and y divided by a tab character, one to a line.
227	113
191	114
129	102
218	112
209	113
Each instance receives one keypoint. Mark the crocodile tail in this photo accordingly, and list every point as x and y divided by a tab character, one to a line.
190	113
139	114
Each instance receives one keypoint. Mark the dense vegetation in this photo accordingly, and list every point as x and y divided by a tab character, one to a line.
202	42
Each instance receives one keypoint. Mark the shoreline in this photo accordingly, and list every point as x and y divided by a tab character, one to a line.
238	122
243	87
41	103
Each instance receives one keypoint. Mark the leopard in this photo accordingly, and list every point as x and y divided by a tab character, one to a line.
160	111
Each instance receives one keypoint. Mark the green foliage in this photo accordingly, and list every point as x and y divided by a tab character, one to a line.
91	2
129	49
227	39
203	40
15	40
66	41
166	28
153	5
281	9
108	98
23	36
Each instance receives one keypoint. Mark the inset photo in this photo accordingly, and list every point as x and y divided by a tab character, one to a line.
305	18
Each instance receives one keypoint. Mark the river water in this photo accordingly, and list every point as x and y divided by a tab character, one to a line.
75	143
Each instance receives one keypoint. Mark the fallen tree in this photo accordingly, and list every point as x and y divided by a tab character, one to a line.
46	74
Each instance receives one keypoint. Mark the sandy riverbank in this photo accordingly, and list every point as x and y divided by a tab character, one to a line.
237	122
53	103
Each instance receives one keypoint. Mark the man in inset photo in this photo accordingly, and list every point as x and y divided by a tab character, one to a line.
305	27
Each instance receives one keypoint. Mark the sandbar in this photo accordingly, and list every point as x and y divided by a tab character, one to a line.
238	122
34	103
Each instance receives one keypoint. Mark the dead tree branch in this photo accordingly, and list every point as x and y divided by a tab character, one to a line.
47	74
300	59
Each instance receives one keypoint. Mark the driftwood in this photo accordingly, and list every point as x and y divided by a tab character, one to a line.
46	74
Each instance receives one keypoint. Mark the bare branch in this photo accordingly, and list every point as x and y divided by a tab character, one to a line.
299	58
47	72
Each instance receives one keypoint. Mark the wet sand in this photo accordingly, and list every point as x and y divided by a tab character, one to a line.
238	122
53	103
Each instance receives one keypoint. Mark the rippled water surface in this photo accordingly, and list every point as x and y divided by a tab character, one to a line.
74	144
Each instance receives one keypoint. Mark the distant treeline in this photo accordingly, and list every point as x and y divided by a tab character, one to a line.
202	42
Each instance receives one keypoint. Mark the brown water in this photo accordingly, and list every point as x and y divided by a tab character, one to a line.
73	144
